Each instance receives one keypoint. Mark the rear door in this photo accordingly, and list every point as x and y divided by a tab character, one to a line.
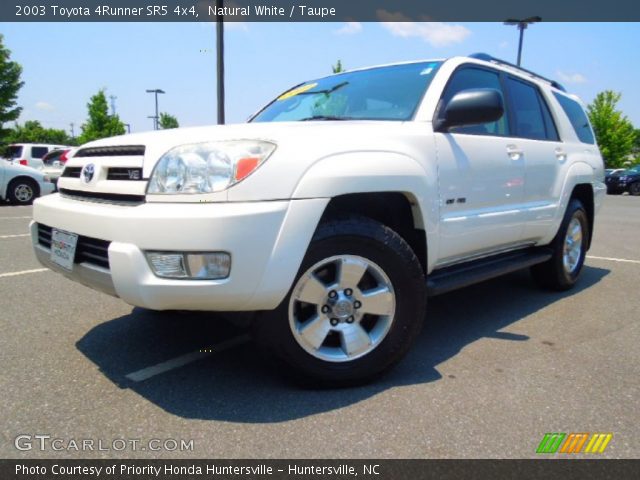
535	134
481	178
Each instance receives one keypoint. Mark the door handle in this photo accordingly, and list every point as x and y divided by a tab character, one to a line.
514	152
560	154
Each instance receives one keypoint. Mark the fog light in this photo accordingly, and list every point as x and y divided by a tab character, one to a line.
198	266
170	265
211	266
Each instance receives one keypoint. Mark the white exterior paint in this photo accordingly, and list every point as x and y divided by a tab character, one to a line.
267	220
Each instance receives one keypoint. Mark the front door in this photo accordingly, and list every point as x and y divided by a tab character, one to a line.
481	179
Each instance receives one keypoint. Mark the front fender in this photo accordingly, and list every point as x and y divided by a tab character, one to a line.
378	171
357	172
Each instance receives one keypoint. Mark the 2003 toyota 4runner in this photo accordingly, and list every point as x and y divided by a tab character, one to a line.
338	208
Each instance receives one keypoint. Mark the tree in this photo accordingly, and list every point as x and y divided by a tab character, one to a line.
614	132
10	84
33	132
100	124
337	68
168	121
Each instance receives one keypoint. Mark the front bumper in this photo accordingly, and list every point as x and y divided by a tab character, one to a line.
266	240
47	187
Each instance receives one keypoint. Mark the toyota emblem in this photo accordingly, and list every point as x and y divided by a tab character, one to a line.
87	172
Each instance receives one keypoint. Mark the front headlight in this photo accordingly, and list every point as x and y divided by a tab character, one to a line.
208	167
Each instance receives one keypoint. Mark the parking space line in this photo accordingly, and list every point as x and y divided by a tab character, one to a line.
146	373
611	259
14	218
23	272
15	236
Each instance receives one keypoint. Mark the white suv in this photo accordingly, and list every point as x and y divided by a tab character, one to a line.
338	208
31	154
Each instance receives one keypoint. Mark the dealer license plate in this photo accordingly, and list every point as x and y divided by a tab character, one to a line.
63	248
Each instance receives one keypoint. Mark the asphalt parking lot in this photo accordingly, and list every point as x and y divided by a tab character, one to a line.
497	366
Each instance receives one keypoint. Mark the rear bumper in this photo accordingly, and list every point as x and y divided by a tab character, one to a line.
266	240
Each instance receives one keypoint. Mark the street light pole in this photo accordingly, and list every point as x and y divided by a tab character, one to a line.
156	91
522	25
220	62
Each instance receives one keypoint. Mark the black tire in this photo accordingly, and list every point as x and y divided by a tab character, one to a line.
553	274
634	189
370	240
16	191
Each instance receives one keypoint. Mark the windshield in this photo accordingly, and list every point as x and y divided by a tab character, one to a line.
382	93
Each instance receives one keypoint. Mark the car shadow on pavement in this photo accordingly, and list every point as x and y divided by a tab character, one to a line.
241	385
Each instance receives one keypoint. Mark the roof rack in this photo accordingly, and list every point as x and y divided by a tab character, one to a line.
488	58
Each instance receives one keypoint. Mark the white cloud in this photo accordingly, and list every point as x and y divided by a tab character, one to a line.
438	34
47	107
349	28
571	77
503	45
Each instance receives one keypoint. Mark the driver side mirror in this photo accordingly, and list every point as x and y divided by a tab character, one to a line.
471	107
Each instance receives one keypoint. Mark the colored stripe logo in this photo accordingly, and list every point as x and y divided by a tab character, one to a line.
574	443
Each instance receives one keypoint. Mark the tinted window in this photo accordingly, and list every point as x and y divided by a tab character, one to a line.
15	151
38	152
469	78
384	93
529	112
577	117
52	156
552	131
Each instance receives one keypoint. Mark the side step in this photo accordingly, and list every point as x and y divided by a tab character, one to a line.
462	275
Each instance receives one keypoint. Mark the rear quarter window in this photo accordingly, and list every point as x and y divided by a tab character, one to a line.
14	151
577	117
39	152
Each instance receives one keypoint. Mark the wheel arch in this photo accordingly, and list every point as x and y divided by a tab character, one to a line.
390	187
399	211
584	193
27	178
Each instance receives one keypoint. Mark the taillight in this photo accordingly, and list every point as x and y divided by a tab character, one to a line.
23	161
63	157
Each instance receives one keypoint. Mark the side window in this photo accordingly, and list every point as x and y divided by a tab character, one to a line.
532	118
577	117
468	78
39	152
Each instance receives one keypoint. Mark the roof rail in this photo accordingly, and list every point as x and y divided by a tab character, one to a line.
488	58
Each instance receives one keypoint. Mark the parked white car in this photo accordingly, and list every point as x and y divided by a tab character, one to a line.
339	208
31	154
21	185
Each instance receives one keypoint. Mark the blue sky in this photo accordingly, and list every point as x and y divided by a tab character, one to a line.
65	63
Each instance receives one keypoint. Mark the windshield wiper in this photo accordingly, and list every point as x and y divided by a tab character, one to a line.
323	117
327	91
